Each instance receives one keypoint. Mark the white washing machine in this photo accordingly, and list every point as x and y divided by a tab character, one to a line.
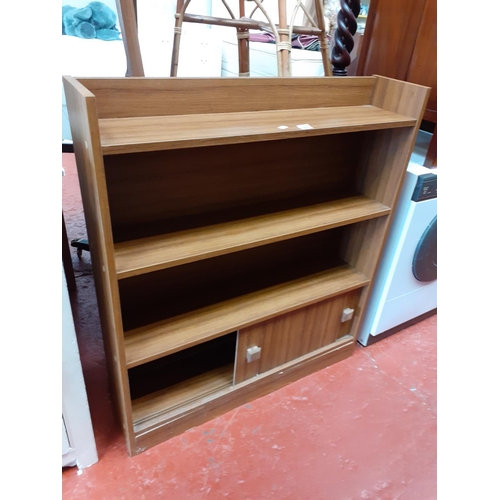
404	290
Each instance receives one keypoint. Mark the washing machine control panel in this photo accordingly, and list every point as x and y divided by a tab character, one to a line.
426	187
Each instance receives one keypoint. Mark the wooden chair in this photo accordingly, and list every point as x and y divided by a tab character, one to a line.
281	31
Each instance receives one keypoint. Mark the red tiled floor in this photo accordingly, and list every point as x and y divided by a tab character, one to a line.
364	428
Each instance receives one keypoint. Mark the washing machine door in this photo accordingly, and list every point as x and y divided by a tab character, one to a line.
424	265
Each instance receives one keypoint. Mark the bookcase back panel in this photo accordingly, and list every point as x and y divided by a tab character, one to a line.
130	97
163	294
167	191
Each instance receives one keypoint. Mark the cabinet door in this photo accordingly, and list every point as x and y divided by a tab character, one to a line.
423	64
292	335
389	38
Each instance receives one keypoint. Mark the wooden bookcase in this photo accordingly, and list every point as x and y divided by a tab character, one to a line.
224	214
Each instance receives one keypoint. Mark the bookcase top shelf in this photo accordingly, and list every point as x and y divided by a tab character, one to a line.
156	133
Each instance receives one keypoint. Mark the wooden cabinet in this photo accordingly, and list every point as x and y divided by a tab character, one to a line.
234	227
400	41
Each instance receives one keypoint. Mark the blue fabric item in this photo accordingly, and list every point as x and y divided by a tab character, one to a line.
96	20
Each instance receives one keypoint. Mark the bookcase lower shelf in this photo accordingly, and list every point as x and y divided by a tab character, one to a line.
208	376
213	394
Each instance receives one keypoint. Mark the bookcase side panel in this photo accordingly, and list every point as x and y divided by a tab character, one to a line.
84	128
380	174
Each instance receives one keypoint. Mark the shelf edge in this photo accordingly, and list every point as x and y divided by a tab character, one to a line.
123	271
220	138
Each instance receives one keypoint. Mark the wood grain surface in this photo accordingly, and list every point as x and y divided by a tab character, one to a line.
165	337
156	133
159	252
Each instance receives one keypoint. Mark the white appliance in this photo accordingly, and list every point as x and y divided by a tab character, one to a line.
404	290
78	442
263	59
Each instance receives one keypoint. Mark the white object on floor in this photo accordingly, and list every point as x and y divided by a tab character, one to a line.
263	61
78	443
421	146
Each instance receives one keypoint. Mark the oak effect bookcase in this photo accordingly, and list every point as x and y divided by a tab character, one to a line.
234	226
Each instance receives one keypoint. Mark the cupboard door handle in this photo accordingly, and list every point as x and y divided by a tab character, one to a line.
347	314
253	353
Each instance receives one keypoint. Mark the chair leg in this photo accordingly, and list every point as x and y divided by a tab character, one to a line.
284	44
323	41
179	14
127	15
66	258
175	49
243	36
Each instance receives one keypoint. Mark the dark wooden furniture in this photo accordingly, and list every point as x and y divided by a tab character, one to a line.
66	258
232	218
400	41
343	36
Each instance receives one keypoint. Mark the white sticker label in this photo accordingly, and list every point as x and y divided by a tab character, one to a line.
283	127
304	126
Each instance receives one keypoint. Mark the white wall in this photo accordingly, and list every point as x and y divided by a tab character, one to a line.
200	46
156	30
200	53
